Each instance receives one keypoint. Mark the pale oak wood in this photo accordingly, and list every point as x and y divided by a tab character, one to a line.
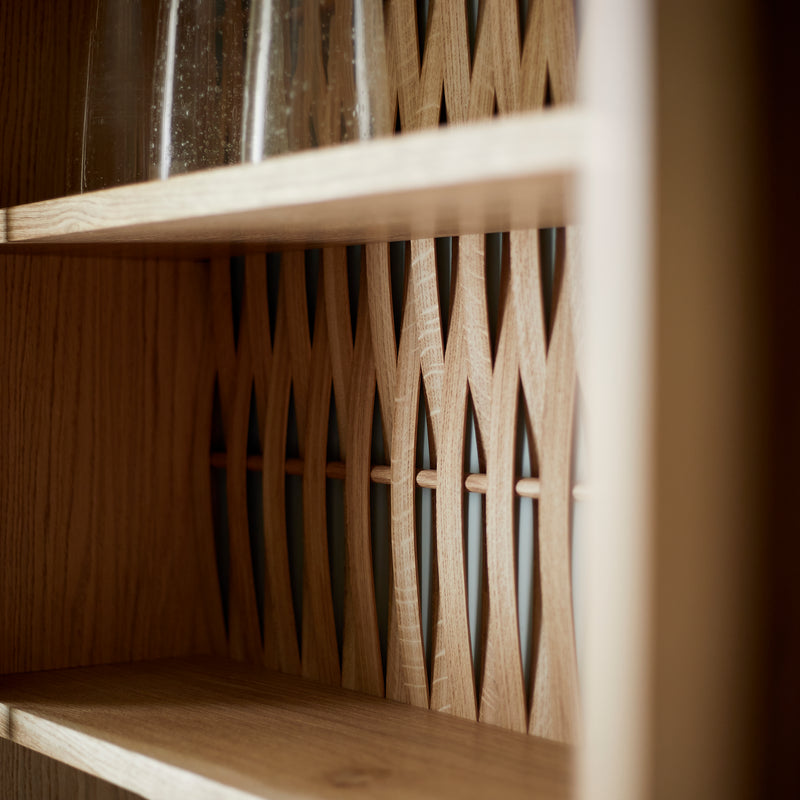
27	775
425	478
429	183
554	703
320	650
147	728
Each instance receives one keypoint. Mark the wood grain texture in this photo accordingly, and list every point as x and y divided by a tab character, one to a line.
27	775
431	183
292	346
235	381
320	649
216	729
362	667
411	685
103	557
41	86
554	704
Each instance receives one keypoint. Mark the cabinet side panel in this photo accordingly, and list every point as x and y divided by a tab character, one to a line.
26	775
101	370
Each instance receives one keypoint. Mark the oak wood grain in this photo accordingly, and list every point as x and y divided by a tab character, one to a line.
27	775
103	557
421	184
221	729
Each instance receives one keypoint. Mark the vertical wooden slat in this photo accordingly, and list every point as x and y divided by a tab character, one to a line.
413	682
234	373
361	654
320	652
280	636
554	708
503	690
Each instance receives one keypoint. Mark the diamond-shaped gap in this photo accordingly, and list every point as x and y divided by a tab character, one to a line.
473	14
423	9
293	497
547	269
334	491
380	521
444	282
494	250
443	110
474	546
425	528
524	535
523	9
398	252
548	90
255	510
219	504
237	294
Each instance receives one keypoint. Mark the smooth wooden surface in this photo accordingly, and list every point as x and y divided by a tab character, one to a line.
27	775
217	729
498	175
106	552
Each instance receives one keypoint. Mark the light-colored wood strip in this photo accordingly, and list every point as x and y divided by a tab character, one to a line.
402	60
554	711
362	665
340	336
280	636
446	64
496	66
550	51
528	303
471	327
503	699
412	684
320	650
428	322
429	183
381	322
145	727
27	775
467	362
475	482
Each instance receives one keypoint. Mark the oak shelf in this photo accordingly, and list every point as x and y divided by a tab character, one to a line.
213	728
503	174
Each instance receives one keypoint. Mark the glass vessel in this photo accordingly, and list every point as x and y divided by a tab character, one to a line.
112	123
197	89
316	75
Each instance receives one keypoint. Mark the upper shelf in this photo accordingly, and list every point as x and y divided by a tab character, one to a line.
211	728
503	174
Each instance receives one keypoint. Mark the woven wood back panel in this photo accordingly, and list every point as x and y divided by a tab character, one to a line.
281	349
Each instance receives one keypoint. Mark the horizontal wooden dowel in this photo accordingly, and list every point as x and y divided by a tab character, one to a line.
475	483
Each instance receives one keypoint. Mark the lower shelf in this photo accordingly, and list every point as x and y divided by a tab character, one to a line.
212	728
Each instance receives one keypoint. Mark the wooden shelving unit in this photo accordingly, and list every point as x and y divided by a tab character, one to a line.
122	361
210	728
499	175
